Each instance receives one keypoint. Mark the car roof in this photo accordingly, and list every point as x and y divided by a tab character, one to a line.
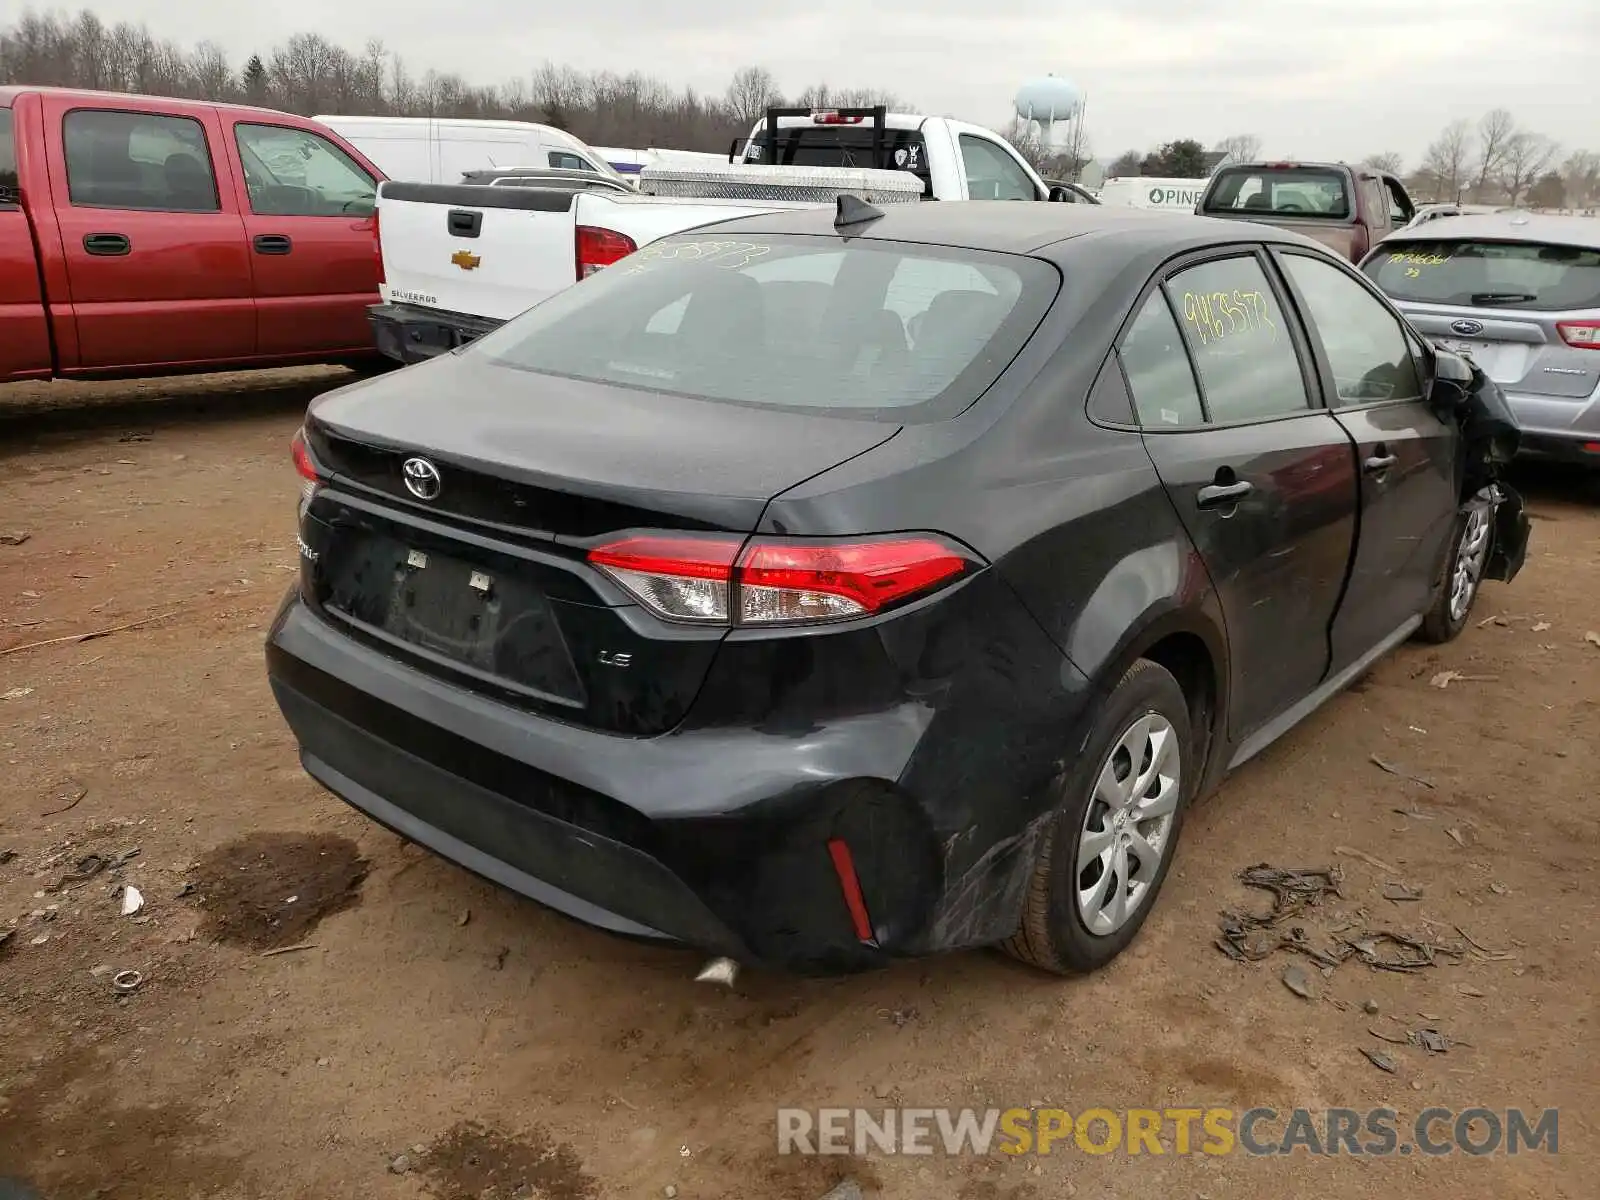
1053	231
140	101
1514	226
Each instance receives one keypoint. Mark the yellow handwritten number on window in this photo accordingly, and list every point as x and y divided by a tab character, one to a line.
1216	316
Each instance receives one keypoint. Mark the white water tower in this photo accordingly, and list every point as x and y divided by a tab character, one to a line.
1046	100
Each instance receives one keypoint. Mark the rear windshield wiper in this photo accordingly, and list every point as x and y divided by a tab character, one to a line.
1502	297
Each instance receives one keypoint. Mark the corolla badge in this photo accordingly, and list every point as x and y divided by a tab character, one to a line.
1466	327
422	478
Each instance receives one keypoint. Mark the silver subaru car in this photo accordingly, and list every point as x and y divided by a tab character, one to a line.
1519	294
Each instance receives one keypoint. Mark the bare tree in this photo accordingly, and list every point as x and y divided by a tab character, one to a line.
1496	131
1241	147
1448	159
1527	157
751	93
308	74
1126	164
1389	162
1581	174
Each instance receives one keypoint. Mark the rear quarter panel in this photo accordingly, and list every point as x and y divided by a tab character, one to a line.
1080	534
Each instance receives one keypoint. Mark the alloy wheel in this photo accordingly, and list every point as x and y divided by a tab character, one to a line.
1127	830
1470	556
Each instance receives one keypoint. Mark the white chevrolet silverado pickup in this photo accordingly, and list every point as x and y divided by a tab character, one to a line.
458	260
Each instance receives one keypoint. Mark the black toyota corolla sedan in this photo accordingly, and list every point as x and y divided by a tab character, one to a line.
827	587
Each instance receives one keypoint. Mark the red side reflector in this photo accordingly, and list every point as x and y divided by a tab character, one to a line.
1580	335
844	866
303	465
1591	447
598	248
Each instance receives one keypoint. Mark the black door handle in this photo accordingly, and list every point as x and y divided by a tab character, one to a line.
107	245
1218	495
272	243
463	222
1379	463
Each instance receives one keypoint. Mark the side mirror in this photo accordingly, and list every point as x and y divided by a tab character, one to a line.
1063	195
1452	381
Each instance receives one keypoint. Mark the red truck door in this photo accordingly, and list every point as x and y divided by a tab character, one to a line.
154	247
24	337
307	208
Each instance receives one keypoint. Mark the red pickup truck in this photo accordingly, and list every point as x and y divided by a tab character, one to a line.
147	236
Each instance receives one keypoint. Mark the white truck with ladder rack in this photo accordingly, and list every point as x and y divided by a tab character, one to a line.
457	260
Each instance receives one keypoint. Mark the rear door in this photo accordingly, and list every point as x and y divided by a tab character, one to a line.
24	335
1263	480
1527	312
1410	461
308	216
154	245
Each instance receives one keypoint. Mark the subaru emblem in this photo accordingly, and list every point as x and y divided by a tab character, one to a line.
1466	327
421	478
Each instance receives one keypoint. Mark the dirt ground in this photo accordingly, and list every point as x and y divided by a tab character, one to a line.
419	1033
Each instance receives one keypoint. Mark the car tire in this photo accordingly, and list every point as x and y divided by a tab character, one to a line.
1470	546
1055	934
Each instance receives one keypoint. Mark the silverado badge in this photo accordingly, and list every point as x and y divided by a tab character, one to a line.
466	260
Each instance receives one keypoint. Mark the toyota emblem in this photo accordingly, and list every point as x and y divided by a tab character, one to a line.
422	478
1466	327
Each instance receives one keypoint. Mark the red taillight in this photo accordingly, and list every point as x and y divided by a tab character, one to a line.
377	247
304	467
598	248
829	117
779	581
1580	335
302	457
680	578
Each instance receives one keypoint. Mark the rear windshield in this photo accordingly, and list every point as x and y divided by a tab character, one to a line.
8	159
844	146
878	330
1478	274
1281	192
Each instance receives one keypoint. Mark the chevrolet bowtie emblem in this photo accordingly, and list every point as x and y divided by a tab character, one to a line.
466	260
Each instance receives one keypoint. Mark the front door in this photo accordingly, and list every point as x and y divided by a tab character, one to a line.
1264	482
154	248
1409	458
308	213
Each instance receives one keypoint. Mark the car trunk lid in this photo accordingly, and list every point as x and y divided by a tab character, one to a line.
479	573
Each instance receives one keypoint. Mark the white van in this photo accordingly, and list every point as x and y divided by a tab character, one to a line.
1164	195
442	149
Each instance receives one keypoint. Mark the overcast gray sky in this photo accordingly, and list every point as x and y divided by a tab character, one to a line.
1313	78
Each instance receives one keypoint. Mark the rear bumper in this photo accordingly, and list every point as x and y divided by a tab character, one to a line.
714	839
409	334
1557	427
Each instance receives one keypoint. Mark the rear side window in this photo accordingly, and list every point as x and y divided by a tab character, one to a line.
1158	371
1280	192
1230	317
1485	274
297	173
10	190
139	161
866	329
